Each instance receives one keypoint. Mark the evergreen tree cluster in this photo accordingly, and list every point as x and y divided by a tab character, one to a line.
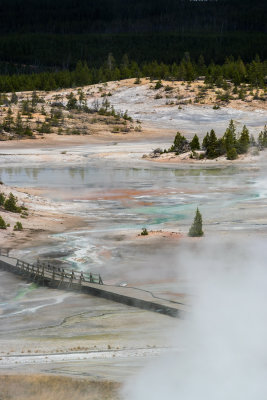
36	34
15	125
230	144
237	71
102	109
22	122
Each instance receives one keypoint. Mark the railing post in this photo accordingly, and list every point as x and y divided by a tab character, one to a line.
62	277
81	278
42	276
71	278
37	272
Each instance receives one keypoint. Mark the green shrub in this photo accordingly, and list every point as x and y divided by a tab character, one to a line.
75	132
18	226
28	131
144	232
11	204
2	223
2	199
226	97
126	117
168	88
158	85
44	128
242	94
116	129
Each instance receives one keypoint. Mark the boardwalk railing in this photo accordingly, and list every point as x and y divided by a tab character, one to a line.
56	275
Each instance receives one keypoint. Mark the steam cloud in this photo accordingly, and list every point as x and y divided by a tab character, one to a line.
219	351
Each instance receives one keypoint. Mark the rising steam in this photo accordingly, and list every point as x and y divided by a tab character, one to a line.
219	351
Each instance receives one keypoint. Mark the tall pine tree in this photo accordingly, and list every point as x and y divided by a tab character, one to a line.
196	228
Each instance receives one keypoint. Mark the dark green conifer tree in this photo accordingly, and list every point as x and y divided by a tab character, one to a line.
212	146
35	99
201	66
262	139
27	131
205	142
2	223
220	147
14	98
196	228
11	204
8	121
2	199
230	136
180	144
82	98
25	107
18	124
194	144
243	141
72	102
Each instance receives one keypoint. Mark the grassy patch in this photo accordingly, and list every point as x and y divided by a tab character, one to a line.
42	387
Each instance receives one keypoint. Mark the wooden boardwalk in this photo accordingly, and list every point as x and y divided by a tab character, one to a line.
89	283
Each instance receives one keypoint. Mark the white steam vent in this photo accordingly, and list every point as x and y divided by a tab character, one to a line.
221	348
